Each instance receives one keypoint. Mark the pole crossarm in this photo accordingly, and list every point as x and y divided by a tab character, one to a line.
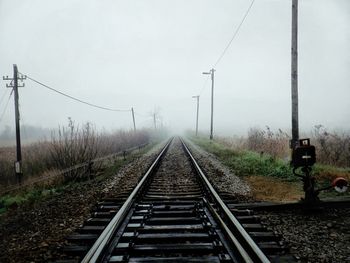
20	77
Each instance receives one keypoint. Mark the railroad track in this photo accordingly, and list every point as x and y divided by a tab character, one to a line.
174	214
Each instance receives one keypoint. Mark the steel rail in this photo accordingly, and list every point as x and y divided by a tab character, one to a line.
258	255
93	255
243	253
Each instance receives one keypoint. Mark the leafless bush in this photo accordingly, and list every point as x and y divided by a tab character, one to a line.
332	148
73	145
36	157
267	141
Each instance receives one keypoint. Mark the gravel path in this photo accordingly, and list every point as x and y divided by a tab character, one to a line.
35	232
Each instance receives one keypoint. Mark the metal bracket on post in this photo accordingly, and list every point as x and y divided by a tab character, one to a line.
18	171
304	157
309	185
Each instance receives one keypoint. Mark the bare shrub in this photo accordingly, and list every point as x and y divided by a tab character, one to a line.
36	158
267	141
333	148
256	139
70	146
73	145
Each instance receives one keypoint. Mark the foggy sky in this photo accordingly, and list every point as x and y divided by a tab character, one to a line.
150	55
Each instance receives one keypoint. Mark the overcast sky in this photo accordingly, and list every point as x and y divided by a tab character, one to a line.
150	55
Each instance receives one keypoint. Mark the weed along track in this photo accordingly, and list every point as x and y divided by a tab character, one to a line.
173	214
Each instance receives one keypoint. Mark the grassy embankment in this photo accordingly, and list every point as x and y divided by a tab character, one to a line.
38	192
270	178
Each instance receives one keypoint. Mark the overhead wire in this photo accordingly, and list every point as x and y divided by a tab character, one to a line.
229	44
74	98
234	35
3	96
7	103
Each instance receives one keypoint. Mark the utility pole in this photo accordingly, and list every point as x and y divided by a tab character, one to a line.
14	85
154	120
211	72
294	75
197	97
133	118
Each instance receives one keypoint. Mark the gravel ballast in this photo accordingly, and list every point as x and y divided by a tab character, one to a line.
318	236
221	176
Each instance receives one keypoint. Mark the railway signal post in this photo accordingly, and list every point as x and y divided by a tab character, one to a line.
14	85
304	157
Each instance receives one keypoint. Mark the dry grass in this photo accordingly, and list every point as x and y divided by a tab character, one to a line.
332	148
72	146
270	177
266	188
274	143
330	173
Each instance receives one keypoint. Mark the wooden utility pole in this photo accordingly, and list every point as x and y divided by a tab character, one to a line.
294	75
211	72
133	118
154	120
197	97
14	85
212	103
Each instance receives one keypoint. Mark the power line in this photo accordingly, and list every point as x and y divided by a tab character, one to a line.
3	96
235	34
76	99
7	103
